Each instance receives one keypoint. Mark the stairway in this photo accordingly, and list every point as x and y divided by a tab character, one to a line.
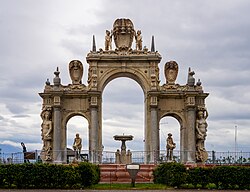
116	173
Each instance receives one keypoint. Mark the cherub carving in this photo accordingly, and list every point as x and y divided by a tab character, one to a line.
108	40
138	39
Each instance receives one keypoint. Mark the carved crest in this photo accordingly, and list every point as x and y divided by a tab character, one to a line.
171	72
76	72
123	32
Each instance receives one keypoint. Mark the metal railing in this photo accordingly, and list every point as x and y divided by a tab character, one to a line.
108	157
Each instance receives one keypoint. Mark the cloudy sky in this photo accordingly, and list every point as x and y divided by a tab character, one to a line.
210	36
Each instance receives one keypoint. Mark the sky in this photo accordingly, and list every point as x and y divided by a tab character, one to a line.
210	36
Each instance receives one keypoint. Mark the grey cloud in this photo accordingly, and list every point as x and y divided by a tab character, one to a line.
210	37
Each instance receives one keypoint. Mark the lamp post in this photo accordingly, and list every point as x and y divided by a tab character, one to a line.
235	142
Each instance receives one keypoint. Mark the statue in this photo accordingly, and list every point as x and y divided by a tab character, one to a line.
171	72
108	41
76	72
47	128
201	133
129	157
77	145
138	39
117	157
170	147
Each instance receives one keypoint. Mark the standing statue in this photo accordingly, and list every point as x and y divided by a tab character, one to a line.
170	147
77	145
47	129
108	41
129	157
76	72
138	39
201	133
117	157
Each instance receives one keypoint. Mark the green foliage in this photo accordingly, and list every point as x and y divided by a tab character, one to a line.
199	176
48	176
231	177
221	177
171	174
90	174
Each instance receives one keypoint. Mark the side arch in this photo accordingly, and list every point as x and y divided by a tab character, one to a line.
183	138
69	115
65	119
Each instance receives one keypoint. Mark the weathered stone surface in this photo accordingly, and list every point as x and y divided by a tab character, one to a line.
170	99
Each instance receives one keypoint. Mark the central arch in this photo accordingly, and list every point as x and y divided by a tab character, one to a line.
132	125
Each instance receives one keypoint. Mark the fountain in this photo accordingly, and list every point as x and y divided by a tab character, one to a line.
123	157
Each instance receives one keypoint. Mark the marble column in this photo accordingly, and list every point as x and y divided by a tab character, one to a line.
154	136
93	135
57	136
190	132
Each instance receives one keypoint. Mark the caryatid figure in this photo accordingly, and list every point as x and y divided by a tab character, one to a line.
201	133
47	129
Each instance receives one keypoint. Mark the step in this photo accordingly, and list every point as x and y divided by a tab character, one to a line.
116	173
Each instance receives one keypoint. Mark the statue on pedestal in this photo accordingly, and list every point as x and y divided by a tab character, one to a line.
77	145
170	147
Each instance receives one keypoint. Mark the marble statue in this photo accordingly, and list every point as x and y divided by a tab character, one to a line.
117	157
129	157
47	128
201	133
77	145
76	72
138	39
170	147
108	41
171	72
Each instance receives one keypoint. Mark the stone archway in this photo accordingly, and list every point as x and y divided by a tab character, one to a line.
141	64
123	113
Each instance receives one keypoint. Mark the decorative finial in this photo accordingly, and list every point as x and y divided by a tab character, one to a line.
93	45
153	44
47	82
191	79
57	80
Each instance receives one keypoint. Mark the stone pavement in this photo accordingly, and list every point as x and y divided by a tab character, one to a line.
168	190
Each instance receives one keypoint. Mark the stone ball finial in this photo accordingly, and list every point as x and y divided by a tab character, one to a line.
123	33
57	80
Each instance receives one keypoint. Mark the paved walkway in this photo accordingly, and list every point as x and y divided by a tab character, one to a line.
168	190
